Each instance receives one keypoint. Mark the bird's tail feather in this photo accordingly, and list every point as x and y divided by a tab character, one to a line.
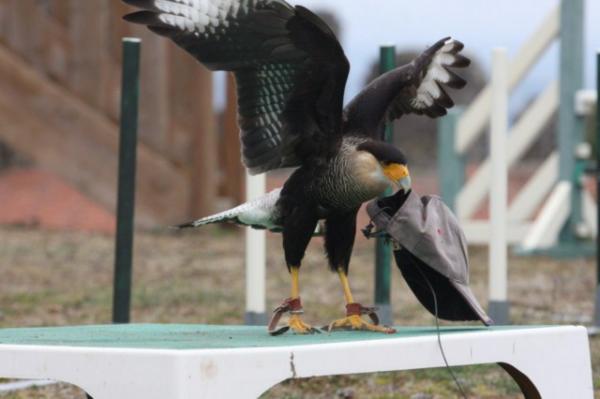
259	213
223	217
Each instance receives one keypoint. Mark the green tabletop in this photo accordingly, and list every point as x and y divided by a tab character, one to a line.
178	336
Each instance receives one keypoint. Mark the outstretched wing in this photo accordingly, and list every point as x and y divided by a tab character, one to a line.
415	88
290	70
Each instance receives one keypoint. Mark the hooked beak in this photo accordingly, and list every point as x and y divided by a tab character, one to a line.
405	184
399	175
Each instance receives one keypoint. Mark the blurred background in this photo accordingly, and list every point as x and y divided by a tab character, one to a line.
59	112
60	84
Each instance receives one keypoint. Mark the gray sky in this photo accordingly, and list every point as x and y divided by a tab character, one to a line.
480	24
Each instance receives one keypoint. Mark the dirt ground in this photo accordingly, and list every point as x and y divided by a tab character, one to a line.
56	278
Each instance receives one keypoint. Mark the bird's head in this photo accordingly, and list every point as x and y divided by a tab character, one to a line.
393	162
398	174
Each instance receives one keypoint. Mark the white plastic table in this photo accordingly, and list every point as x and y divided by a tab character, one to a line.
196	361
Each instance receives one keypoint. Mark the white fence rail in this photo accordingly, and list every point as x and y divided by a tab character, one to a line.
498	281
477	116
522	136
256	257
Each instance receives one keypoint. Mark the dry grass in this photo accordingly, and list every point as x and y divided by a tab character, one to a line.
51	278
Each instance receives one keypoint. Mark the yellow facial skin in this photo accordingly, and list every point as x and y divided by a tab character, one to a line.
398	175
395	172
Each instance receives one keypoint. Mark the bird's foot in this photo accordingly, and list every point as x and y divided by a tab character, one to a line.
354	321
295	323
299	326
358	324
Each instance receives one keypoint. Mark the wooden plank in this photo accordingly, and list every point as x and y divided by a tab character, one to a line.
56	49
56	54
4	16
234	171
59	9
192	138
118	28
204	165
154	101
62	133
36	36
47	46
183	97
88	27
24	30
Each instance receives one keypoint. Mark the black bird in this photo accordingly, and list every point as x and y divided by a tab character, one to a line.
291	74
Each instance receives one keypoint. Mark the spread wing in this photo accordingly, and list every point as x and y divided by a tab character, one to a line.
290	70
415	88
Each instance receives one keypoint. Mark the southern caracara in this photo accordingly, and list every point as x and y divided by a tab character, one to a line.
291	74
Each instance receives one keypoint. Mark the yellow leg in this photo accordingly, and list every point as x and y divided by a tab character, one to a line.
354	322
295	271
345	285
296	323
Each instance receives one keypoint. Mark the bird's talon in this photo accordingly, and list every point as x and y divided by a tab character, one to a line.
298	326
356	323
295	322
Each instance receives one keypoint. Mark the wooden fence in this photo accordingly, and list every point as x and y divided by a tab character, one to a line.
59	104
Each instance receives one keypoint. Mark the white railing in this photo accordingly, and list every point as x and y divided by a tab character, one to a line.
521	136
499	173
477	116
256	257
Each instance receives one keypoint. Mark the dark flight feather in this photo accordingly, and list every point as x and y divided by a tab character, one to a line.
290	71
415	88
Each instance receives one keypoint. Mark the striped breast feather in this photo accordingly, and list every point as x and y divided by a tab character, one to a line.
222	34
434	69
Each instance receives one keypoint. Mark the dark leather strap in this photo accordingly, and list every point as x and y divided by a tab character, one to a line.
356	309
290	305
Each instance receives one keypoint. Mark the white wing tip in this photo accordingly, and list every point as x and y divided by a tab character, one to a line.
448	46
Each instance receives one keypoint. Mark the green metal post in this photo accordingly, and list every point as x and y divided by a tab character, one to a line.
451	165
127	167
597	302
571	126
383	254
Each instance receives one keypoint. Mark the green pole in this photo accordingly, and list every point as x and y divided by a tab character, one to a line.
126	190
571	126
597	302
383	251
451	165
